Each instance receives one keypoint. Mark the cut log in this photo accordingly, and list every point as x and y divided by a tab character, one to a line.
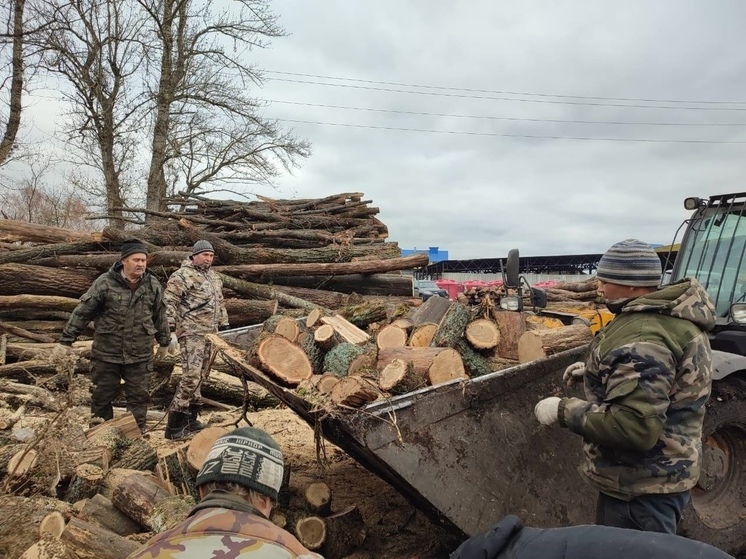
314	317
259	290
391	336
170	511
420	357
447	365
354	392
85	483
89	541
8	422
23	333
395	284
314	351
284	359
345	532
47	548
431	310
67	304
174	471
279	519
399	377
34	232
311	532
364	364
326	337
123	426
475	364
199	446
539	344
347	331
223	387
21	463
451	326
18	279
3	348
52	525
101	511
137	495
139	455
95	456
114	477
326	383
362	314
482	333
512	325
422	334
244	312
283	326
338	360
405	324
319	498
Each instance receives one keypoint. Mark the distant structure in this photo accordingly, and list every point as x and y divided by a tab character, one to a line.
433	253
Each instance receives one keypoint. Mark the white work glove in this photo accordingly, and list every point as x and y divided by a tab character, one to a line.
574	373
547	410
161	353
173	345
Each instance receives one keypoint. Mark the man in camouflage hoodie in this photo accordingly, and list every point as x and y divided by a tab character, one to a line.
194	298
647	379
238	484
127	305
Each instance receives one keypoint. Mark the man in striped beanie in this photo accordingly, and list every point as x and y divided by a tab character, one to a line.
646	381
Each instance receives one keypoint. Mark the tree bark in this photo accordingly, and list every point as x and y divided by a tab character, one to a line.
101	511
34	232
362	284
89	541
431	310
345	532
354	392
362	314
20	279
137	495
16	84
261	291
420	357
539	344
242	312
512	325
451	326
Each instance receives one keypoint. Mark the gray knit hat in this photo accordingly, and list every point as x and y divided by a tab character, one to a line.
247	456
632	263
133	246
201	246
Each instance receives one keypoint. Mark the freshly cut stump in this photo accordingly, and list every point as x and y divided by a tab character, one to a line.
447	365
284	359
399	377
482	334
391	336
319	498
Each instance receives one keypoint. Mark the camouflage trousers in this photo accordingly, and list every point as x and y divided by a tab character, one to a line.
195	352
106	383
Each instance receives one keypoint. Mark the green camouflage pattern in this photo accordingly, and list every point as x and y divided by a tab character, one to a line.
194	299
126	321
193	356
648	378
220	533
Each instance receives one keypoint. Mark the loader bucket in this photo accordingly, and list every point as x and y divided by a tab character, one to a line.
464	452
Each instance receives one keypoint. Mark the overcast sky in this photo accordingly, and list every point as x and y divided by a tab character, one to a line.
487	186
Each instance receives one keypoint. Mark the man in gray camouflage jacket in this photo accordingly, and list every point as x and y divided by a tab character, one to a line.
194	299
647	379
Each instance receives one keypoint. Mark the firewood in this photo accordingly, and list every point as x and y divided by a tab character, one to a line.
431	310
319	498
314	351
199	446
21	463
52	525
85	483
326	337
89	541
420	357
347	331
139	455
364	364
174	471
353	392
362	314
512	325
422	334
47	548
95	456
345	532
451	326
363	284
399	377
122	427
101	511
475	363
283	326
136	496
447	365
245	312
482	333
250	289
284	359
113	478
326	383
391	336
338	360
314	317
538	344
311	532
405	324
3	348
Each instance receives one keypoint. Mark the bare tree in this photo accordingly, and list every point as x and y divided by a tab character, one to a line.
206	126
12	35
95	46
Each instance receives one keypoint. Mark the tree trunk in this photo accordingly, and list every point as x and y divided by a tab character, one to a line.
362	284
420	357
447	365
482	333
85	483
242	312
539	344
282	326
512	325
475	363
431	310
338	360
101	511
89	541
362	314
354	392
16	84
422	334
67	304
137	495
451	327
20	279
139	455
34	232
261	291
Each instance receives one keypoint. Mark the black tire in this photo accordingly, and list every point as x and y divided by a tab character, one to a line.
716	513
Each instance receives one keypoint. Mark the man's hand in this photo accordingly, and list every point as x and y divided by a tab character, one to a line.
161	353
574	373
173	345
547	410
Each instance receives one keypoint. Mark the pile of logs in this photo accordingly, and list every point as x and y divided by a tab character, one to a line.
559	292
104	491
346	367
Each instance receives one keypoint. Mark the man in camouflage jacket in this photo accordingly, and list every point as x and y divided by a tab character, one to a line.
127	306
647	379
239	483
194	299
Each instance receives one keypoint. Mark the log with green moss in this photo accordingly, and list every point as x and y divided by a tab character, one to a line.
451	327
362	314
475	364
315	354
338	360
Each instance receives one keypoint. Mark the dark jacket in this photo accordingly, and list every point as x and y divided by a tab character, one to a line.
126	321
508	539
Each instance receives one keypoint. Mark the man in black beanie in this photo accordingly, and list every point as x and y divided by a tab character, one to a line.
127	306
238	485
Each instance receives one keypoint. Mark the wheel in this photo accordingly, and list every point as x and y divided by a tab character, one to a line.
717	511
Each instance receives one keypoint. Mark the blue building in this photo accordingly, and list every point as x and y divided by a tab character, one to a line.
433	253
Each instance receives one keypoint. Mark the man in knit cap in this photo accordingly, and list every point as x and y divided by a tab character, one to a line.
238	485
194	299
129	312
646	380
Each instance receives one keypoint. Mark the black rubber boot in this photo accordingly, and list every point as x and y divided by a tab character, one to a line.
177	426
195	424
